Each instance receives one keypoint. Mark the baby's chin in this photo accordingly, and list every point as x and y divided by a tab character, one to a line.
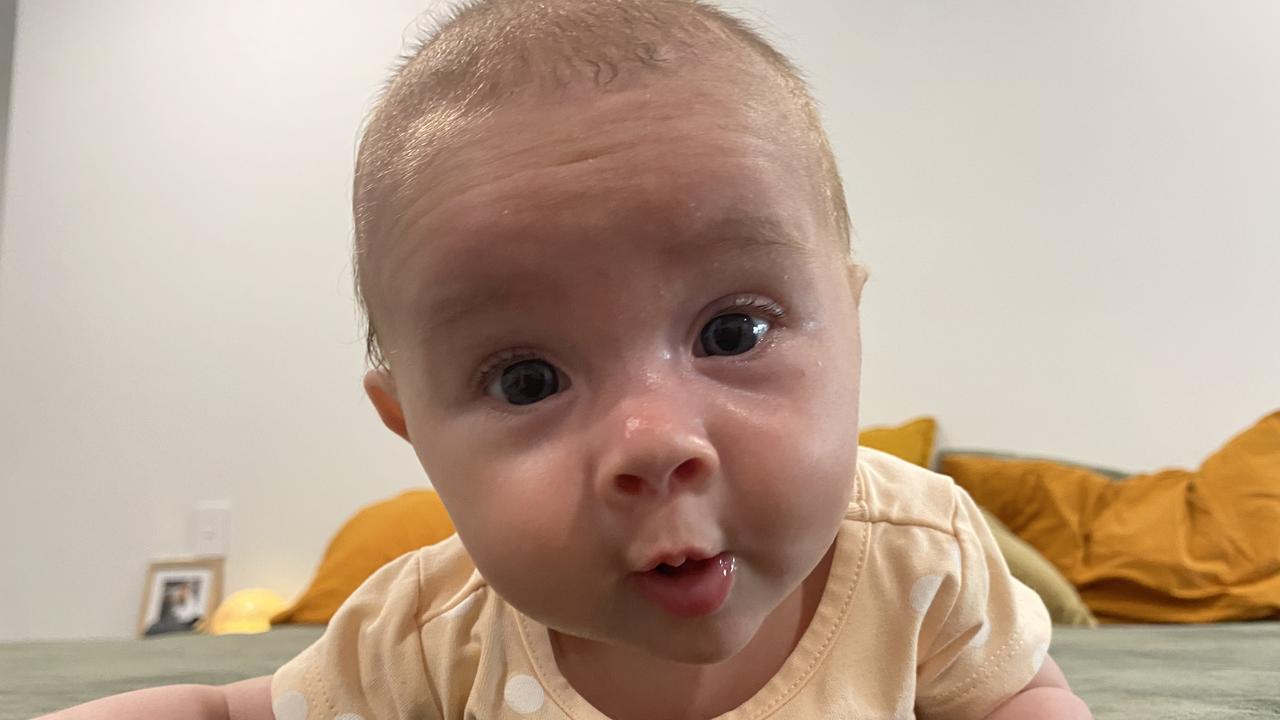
706	645
695	641
694	648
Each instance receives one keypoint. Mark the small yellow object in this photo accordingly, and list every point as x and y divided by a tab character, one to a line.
912	442
246	612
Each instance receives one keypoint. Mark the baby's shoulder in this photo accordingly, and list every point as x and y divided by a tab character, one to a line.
449	586
422	620
422	586
892	490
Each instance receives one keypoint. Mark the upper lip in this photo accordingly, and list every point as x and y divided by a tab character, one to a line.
676	558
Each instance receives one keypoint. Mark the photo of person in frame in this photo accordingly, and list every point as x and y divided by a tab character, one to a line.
181	604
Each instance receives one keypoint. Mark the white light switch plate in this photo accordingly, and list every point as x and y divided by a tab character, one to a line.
211	528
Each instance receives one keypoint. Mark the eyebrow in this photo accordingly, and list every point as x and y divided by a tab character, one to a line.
744	228
741	230
452	308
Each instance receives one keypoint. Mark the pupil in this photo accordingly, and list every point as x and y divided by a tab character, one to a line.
731	334
529	381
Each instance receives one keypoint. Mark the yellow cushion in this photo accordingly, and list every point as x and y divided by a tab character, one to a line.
1027	564
246	612
1171	546
373	537
912	441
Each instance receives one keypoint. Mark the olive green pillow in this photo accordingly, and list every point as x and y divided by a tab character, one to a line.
1028	565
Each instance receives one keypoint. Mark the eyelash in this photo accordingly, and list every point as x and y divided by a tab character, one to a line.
506	358
754	302
496	364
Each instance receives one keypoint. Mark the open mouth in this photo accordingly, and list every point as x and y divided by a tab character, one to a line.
686	567
671	570
690	589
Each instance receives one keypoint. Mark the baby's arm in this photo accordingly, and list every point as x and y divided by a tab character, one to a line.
1047	696
245	700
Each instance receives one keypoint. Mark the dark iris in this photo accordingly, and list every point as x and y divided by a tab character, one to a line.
529	381
732	334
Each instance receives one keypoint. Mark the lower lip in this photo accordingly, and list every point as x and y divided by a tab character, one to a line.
693	592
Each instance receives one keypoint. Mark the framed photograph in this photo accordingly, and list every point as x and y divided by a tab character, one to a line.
180	593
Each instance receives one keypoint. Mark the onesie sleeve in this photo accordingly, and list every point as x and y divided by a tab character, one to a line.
994	633
369	663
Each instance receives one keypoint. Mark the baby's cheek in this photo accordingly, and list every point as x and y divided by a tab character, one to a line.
798	468
534	500
503	509
813	422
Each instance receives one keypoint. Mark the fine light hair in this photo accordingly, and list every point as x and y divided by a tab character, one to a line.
486	52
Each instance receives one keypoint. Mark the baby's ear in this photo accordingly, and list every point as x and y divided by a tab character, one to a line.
381	389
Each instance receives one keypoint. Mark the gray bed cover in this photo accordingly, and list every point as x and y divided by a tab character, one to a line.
1223	672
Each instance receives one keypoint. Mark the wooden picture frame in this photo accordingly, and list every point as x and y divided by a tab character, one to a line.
180	594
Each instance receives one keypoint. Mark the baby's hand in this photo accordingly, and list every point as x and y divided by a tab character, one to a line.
1046	697
245	700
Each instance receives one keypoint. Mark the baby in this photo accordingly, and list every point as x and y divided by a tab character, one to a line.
604	252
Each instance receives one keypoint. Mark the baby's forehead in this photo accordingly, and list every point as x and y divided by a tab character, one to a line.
576	125
592	245
552	164
641	233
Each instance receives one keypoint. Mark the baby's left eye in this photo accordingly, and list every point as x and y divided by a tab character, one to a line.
732	334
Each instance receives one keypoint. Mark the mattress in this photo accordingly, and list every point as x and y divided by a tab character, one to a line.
1224	671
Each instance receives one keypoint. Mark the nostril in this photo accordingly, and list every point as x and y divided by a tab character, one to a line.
686	470
630	484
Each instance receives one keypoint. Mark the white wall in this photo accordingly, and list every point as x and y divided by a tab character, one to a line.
1069	210
176	318
8	16
1072	215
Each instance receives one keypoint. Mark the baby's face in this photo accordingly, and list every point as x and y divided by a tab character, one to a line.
622	330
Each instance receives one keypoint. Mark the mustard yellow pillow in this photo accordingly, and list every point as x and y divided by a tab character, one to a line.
374	536
1170	546
912	441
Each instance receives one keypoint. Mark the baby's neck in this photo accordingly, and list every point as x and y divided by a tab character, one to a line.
665	690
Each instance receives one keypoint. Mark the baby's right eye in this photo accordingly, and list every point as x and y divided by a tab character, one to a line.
525	382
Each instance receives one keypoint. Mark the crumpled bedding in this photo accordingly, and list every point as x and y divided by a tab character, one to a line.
1173	546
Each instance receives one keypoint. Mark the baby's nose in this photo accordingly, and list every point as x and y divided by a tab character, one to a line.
654	450
686	473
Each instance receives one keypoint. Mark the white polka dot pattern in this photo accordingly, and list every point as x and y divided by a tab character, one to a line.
461	607
923	591
953	556
290	706
523	694
1037	658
